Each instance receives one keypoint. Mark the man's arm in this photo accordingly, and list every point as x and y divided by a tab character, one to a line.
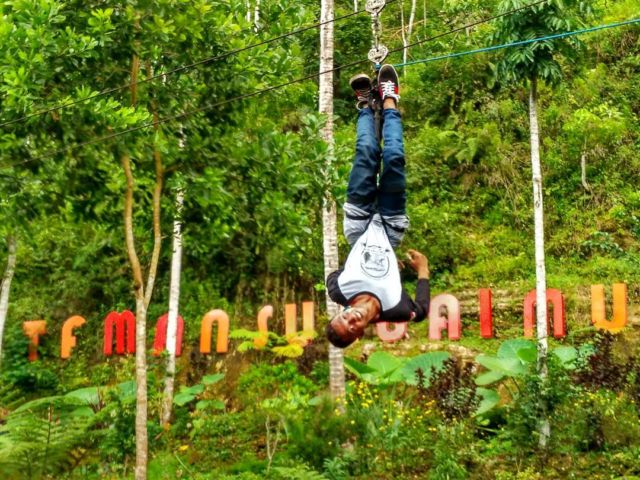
421	265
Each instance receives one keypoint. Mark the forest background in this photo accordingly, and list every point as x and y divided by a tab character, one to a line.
253	171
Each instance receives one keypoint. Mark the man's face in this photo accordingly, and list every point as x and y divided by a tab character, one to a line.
350	323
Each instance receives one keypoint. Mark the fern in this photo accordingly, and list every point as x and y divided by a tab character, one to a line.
44	437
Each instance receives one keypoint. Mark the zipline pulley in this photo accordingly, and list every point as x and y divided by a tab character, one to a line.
378	52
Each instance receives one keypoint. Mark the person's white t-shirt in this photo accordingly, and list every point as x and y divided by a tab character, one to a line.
372	267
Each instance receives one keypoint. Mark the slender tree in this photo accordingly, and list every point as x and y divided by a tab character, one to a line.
174	301
142	292
6	284
528	65
329	221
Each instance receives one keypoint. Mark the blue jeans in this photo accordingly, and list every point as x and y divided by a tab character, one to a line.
388	197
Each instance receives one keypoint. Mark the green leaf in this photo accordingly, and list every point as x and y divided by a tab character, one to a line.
510	348
386	367
127	390
211	379
183	398
427	362
567	356
490	399
88	395
490	377
358	368
508	366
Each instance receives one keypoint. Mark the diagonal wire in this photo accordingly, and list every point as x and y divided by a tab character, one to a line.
76	146
183	68
520	43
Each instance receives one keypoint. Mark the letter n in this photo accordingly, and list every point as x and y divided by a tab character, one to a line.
160	339
125	326
206	330
554	297
598	307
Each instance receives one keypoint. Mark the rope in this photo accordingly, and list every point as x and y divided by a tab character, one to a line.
520	43
183	68
260	92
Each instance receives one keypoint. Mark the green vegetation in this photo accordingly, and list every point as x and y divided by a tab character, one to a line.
252	172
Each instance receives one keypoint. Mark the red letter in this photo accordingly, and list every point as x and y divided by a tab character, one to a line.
390	335
125	324
33	330
222	342
451	321
557	300
486	313
160	339
598	313
68	339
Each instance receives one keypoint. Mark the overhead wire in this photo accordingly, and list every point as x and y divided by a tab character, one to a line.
183	68
208	107
520	43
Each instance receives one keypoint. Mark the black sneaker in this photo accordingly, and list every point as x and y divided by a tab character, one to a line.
361	84
388	83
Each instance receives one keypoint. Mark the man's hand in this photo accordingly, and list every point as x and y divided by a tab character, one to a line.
419	263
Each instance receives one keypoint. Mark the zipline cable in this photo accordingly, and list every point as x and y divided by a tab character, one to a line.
519	43
71	148
183	68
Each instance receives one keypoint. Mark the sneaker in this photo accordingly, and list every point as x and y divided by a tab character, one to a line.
361	84
388	83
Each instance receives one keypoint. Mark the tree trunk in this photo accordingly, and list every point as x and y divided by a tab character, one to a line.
541	282
583	171
6	285
355	5
406	39
329	221
141	330
174	300
142	295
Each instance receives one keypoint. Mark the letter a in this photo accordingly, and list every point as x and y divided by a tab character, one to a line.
451	321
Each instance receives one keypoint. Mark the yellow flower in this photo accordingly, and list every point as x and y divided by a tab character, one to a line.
182	448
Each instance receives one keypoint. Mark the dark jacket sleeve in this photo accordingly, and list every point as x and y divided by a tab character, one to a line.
333	288
423	298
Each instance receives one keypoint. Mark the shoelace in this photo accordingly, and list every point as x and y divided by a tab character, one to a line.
363	94
388	89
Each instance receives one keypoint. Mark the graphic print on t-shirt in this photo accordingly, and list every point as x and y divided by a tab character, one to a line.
374	261
372	267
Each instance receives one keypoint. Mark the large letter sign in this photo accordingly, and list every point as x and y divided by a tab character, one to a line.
68	338
486	313
598	312
291	320
556	298
263	318
451	321
125	326
391	331
206	330
33	330
160	340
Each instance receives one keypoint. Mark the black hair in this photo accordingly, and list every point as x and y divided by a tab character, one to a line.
335	339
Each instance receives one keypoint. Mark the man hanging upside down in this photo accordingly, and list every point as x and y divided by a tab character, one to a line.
375	219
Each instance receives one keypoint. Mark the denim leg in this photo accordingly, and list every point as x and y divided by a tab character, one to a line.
362	189
392	197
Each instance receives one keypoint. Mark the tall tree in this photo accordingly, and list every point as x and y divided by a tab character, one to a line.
528	65
5	287
329	221
174	302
